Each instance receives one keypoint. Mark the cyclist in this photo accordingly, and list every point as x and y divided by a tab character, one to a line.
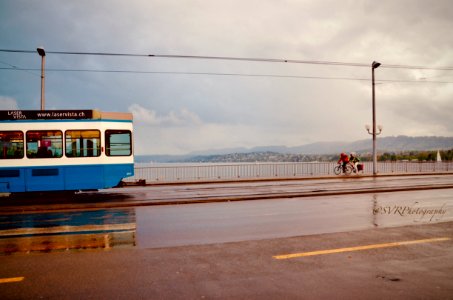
344	160
354	161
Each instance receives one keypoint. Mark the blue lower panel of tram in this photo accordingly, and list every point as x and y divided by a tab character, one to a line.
60	178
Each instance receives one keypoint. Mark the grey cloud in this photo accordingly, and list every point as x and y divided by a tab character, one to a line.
194	112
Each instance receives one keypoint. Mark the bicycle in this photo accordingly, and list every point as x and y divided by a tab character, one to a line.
346	170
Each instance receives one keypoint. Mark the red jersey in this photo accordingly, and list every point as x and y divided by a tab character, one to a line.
343	158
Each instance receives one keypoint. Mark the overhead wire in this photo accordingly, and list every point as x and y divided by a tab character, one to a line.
17	68
252	59
227	74
334	63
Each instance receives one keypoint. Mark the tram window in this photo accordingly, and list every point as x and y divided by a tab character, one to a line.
44	144
11	144
83	143
118	142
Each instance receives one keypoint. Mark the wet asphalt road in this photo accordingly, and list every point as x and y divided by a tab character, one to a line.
221	250
246	270
165	226
296	208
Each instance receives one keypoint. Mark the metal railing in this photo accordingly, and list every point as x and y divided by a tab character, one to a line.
242	171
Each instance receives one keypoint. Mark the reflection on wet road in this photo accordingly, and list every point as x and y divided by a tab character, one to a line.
67	230
162	226
177	225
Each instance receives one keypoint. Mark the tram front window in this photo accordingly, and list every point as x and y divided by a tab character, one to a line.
11	144
44	144
118	142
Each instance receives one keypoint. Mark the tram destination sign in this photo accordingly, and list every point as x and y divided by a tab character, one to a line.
45	114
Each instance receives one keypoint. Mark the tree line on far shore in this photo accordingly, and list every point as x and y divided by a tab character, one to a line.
269	156
446	155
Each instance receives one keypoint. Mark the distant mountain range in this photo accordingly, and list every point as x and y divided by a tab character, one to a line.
384	144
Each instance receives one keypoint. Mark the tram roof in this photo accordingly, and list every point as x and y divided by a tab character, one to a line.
63	115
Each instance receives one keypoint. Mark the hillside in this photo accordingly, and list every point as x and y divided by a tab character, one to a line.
384	144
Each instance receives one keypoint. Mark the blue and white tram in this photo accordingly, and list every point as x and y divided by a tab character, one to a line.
64	150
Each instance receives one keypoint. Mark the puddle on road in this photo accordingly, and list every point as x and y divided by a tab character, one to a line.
63	231
209	223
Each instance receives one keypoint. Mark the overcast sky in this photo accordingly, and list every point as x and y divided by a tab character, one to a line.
177	113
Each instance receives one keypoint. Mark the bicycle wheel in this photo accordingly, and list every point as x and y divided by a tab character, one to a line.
348	169
337	170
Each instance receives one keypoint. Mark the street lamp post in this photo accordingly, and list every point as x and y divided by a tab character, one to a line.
374	65
42	53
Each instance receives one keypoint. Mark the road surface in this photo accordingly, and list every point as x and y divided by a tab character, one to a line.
364	242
